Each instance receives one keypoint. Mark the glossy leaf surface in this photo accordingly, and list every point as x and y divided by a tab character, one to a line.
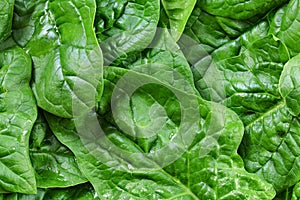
6	15
54	164
197	174
66	56
17	115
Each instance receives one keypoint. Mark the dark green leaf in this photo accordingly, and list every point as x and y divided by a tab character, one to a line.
54	164
80	192
124	27
236	9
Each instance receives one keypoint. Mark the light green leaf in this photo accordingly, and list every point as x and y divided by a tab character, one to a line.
296	192
175	15
6	15
66	56
17	115
289	29
289	85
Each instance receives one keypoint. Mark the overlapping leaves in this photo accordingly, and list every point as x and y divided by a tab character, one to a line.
257	81
140	128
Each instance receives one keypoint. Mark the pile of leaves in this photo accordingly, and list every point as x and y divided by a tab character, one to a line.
170	99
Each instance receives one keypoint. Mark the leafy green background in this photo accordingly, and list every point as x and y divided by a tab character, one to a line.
218	96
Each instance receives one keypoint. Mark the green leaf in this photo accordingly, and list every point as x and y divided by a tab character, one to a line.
289	29
210	168
243	74
236	9
23	26
248	71
285	195
66	56
17	115
289	85
296	192
175	15
54	164
270	147
163	57
124	27
6	15
80	192
213	31
9	43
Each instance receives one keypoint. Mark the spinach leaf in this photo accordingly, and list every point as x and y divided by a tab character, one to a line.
289	27
201	172
216	28
175	15
289	85
296	192
80	192
23	26
165	57
285	195
66	56
213	31
249	70
208	109
236	9
54	164
275	157
6	15
17	115
9	43
243	73
124	27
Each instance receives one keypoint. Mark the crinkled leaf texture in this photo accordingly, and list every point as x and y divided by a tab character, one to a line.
175	15
54	164
79	192
6	15
162	57
215	23
289	85
65	52
17	115
236	9
209	169
124	27
290	27
244	74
